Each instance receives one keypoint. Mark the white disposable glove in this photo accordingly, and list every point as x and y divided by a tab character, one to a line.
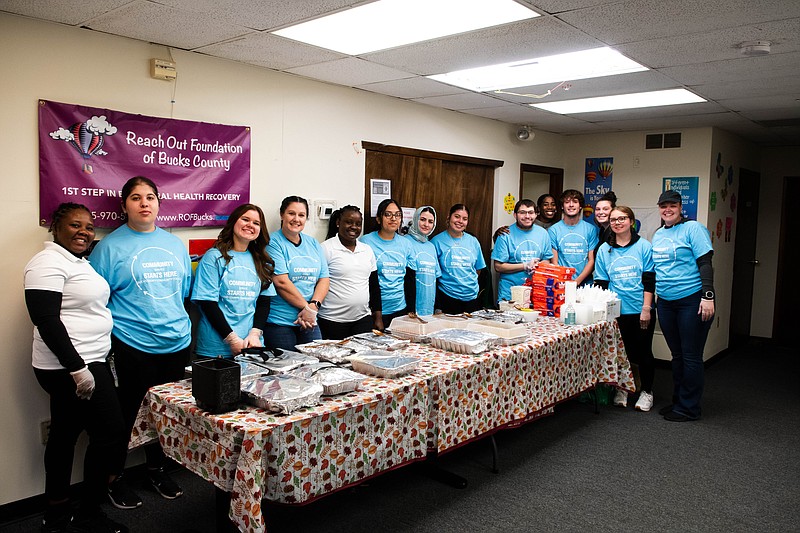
253	339
84	383
531	265
306	318
234	342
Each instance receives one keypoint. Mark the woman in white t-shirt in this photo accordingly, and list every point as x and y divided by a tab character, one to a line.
354	287
66	300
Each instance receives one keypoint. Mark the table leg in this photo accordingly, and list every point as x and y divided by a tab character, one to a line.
223	505
435	471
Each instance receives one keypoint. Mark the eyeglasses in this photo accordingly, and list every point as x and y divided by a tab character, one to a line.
387	214
618	220
531	213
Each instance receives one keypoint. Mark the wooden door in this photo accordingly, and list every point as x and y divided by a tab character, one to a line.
440	180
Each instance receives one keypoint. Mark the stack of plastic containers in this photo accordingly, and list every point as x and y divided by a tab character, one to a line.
547	293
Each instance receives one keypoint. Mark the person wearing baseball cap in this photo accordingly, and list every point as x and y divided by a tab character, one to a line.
682	253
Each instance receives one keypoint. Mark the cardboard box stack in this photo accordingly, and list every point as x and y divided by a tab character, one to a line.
547	288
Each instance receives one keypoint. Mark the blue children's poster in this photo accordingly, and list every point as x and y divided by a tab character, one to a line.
597	182
688	187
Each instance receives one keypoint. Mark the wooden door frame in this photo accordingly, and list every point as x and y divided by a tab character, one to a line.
556	179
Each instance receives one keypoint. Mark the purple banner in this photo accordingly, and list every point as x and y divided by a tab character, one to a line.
87	154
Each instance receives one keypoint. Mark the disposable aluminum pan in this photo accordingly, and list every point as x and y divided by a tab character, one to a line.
326	351
281	393
336	380
285	360
463	341
384	366
379	342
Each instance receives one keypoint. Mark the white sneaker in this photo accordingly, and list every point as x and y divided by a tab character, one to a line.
621	398
645	401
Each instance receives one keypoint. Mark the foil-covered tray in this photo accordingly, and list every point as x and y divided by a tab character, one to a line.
499	316
384	364
251	366
334	380
378	342
284	360
331	351
281	393
463	341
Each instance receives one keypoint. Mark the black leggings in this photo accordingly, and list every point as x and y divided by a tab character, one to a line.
340	330
100	416
137	371
639	346
454	306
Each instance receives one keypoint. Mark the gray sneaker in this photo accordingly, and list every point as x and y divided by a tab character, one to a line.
621	398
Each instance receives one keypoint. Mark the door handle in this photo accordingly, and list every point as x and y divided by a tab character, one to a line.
754	262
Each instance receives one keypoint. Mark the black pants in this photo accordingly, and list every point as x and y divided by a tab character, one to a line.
137	371
341	330
454	306
639	346
100	416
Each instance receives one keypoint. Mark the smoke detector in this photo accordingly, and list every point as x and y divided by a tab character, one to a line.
755	48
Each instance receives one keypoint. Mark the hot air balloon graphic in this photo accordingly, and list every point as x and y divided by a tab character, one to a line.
591	176
604	169
86	137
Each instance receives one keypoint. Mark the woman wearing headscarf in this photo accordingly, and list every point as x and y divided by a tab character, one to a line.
424	261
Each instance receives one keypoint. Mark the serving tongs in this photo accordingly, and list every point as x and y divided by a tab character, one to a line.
264	353
414	316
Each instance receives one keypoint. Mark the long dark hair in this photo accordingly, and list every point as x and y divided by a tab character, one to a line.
382	209
265	266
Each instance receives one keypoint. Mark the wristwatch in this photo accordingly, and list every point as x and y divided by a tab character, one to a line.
319	304
708	295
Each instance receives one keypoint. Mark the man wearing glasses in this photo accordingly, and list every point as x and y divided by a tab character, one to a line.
517	252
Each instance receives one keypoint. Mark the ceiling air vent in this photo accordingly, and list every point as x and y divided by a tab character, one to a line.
658	141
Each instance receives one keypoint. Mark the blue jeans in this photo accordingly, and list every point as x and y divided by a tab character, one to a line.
287	337
686	335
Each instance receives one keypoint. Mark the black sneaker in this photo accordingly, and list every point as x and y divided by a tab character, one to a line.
164	484
121	496
98	523
57	519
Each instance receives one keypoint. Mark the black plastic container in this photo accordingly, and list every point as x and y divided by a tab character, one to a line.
216	384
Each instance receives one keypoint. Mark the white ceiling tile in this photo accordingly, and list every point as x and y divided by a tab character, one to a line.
468	100
715	45
261	15
735	70
73	13
408	88
165	25
270	51
538	37
350	72
640	20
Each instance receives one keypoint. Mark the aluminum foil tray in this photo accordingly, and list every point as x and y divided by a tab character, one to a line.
463	341
281	393
384	366
331	351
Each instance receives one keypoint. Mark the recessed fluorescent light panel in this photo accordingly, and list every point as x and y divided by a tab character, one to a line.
593	63
622	101
390	23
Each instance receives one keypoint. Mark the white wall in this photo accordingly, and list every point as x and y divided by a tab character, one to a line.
40	60
302	143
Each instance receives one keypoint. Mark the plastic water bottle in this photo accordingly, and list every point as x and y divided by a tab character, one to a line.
569	316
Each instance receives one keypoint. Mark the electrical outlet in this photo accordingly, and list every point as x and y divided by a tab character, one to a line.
44	430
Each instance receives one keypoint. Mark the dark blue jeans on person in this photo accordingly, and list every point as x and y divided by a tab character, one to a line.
686	335
101	417
287	337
